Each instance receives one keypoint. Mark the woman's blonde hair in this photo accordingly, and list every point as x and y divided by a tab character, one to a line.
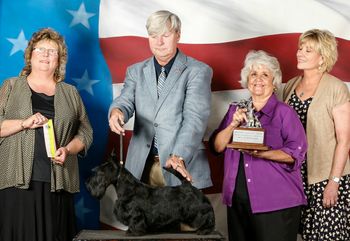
50	35
325	44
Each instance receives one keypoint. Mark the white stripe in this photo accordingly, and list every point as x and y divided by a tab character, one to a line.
212	21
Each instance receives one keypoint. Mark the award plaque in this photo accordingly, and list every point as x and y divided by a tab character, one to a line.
251	135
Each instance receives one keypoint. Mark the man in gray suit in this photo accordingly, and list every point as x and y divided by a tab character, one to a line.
169	94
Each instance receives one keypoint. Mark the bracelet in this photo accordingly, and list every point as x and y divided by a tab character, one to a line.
335	179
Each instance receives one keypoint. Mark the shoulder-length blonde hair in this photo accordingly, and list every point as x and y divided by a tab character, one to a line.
50	35
325	44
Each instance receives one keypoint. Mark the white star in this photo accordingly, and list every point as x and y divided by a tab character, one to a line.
85	83
81	210
80	16
19	44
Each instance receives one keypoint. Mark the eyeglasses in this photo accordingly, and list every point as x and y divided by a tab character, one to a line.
42	51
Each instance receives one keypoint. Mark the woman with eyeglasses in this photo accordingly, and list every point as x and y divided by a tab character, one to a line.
36	191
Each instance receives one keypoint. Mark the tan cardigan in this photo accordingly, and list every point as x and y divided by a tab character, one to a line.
17	150
320	130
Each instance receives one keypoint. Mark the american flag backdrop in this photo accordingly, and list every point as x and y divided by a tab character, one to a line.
106	36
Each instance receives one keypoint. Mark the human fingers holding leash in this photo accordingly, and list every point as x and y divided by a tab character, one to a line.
116	121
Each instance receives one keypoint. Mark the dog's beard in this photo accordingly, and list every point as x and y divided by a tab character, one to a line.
95	186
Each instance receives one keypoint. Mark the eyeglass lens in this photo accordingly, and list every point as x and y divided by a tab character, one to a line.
42	50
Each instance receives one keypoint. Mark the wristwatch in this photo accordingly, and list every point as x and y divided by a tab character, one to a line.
335	179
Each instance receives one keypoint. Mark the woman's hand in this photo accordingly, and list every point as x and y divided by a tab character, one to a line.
255	153
34	121
272	155
330	194
239	117
61	155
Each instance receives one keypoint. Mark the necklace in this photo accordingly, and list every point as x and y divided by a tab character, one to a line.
311	89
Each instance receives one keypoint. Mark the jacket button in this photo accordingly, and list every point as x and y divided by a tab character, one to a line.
148	145
156	124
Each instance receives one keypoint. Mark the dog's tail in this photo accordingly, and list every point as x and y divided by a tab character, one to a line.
176	173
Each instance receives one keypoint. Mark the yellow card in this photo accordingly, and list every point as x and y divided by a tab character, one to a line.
50	141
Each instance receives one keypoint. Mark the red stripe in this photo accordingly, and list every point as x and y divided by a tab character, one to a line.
225	58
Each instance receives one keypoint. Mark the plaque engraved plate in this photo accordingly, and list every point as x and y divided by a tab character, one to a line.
251	135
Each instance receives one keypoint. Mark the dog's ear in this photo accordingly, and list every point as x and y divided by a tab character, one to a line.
96	168
114	157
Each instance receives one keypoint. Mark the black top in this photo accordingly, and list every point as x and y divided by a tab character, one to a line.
241	189
42	163
301	107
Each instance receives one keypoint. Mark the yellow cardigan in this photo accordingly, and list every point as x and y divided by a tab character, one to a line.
320	130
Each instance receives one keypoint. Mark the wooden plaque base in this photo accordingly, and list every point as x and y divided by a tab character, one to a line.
248	146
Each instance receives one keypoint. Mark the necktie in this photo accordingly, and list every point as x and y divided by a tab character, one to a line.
161	81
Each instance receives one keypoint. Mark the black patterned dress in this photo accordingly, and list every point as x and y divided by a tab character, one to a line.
319	223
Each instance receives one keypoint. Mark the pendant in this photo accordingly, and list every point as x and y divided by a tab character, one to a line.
301	94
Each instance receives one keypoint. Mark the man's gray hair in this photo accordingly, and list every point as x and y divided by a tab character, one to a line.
163	21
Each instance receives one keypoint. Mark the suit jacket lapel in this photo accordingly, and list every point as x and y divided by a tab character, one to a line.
173	76
150	78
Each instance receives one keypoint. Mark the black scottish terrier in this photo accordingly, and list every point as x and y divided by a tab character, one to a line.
146	209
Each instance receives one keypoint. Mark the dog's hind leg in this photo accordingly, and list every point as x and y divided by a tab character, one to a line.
205	223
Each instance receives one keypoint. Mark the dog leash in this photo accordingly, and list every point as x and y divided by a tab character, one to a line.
121	149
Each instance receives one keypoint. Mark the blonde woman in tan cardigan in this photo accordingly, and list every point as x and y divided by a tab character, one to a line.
322	103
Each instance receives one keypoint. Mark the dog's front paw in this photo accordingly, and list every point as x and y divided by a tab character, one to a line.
134	232
205	231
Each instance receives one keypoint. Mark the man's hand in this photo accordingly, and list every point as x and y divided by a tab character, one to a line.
116	121
178	164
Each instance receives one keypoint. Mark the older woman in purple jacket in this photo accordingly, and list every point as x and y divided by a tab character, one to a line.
263	189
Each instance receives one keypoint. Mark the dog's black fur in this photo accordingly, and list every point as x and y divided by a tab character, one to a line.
145	209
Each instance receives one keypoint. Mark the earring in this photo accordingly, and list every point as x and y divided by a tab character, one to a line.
320	67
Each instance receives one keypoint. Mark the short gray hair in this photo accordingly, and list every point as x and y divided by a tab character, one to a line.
163	21
257	58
